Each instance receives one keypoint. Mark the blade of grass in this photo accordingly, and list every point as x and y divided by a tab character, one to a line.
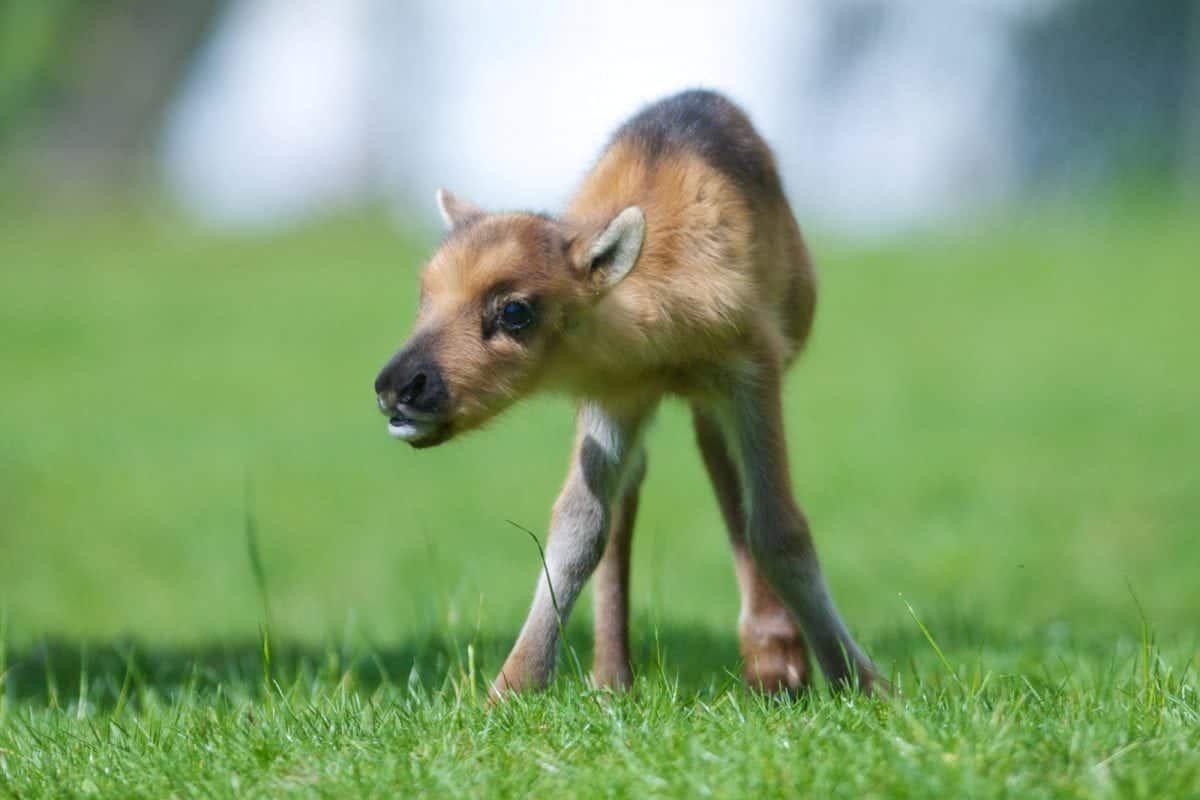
250	526
932	643
3	663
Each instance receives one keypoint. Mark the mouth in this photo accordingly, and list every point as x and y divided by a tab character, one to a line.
417	432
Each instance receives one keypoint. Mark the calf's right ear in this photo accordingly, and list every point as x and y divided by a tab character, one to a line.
456	212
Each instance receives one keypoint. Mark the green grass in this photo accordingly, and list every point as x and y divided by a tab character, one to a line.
996	429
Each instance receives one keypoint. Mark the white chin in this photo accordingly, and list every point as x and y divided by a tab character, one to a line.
405	431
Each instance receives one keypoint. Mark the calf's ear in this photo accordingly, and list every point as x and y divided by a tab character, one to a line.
456	212
610	254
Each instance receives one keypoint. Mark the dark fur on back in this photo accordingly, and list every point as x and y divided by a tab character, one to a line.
707	124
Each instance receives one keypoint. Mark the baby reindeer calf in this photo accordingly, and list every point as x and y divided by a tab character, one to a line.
676	270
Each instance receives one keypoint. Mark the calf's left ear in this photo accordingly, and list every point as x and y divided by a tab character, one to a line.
611	254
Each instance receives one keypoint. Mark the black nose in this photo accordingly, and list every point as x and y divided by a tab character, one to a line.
412	390
412	379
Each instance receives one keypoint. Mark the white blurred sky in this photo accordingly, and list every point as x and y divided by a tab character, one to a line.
302	106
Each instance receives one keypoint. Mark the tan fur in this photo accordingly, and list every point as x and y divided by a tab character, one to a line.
718	302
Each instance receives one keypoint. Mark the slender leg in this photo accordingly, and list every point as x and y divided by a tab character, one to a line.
777	532
773	653
606	441
612	666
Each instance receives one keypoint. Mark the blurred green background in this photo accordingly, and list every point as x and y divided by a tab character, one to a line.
997	424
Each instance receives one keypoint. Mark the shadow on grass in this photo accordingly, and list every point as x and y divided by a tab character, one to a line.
56	673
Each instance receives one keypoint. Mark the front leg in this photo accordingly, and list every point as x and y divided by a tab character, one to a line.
611	666
606	441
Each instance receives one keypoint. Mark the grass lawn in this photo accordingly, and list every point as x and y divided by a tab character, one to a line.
994	433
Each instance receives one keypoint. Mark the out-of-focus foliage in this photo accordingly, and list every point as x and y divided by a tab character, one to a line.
84	86
35	43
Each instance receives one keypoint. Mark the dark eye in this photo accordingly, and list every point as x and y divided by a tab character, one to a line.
516	315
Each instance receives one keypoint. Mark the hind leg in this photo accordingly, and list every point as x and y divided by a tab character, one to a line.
773	653
777	532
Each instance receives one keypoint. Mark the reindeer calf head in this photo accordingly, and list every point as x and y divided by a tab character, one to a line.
497	300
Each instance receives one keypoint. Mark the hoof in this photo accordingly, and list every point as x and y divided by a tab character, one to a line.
619	679
776	666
